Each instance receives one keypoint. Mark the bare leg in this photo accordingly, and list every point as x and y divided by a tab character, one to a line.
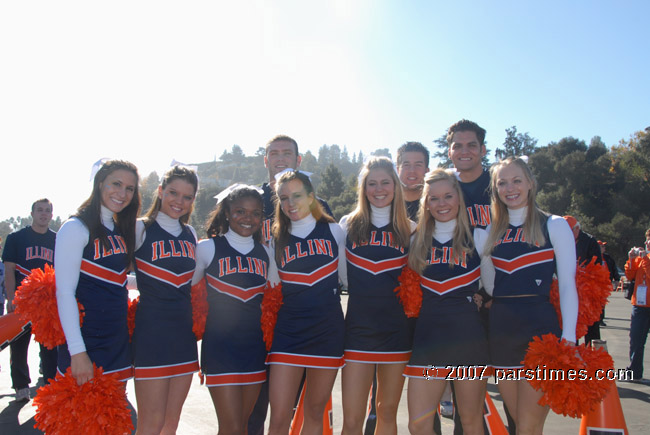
423	399
356	382
318	390
390	383
470	396
284	382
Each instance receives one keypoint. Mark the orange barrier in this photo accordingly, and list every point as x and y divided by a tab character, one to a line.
11	327
607	416
299	417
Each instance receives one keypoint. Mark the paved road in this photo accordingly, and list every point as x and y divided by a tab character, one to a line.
199	418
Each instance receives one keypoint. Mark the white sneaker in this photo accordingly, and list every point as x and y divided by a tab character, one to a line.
22	395
446	409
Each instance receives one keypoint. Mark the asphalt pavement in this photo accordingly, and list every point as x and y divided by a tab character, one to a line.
199	418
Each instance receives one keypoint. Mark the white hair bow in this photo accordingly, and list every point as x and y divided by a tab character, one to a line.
228	190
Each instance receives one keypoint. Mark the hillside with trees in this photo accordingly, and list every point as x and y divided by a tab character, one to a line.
606	188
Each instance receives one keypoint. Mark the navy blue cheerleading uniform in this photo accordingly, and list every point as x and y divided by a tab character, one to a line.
29	250
101	290
233	350
521	269
376	328
449	331
477	199
309	331
164	345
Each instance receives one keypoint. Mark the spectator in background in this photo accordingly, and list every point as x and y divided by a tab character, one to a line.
586	249
637	268
614	276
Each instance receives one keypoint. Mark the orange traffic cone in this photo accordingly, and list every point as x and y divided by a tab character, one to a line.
299	417
493	423
11	327
607	417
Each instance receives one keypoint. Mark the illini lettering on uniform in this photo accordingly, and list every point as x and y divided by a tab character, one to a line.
117	247
445	255
508	237
385	239
314	247
251	265
39	252
171	248
479	215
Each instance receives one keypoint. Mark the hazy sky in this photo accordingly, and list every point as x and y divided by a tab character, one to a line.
152	81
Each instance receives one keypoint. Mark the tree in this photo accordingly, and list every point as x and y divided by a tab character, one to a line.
148	190
331	184
516	144
382	152
442	153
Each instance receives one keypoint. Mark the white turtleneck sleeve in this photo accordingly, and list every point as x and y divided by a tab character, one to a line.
565	259
71	240
487	268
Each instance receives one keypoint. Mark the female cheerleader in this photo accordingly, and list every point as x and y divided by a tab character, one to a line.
449	332
235	266
309	333
378	335
94	250
527	246
164	346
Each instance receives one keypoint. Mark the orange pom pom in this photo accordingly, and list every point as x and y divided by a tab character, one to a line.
271	303
594	287
409	292
568	378
35	301
97	407
199	308
130	317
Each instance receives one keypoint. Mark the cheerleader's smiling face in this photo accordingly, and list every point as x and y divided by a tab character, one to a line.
117	189
513	187
294	200
245	216
380	188
176	198
442	201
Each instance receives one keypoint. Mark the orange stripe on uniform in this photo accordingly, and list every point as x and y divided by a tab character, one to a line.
122	374
235	379
377	357
163	274
243	294
510	266
442	287
166	371
292	359
103	273
376	267
309	278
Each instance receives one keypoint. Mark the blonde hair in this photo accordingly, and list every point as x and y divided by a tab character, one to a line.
535	217
359	220
462	241
282	223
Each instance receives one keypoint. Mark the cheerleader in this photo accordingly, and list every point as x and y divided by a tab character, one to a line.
449	332
527	246
94	250
235	265
164	346
309	333
378	335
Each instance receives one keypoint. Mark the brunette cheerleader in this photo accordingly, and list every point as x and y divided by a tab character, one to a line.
378	335
94	250
164	346
234	264
309	333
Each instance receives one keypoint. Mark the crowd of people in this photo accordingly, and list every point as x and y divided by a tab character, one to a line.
484	252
